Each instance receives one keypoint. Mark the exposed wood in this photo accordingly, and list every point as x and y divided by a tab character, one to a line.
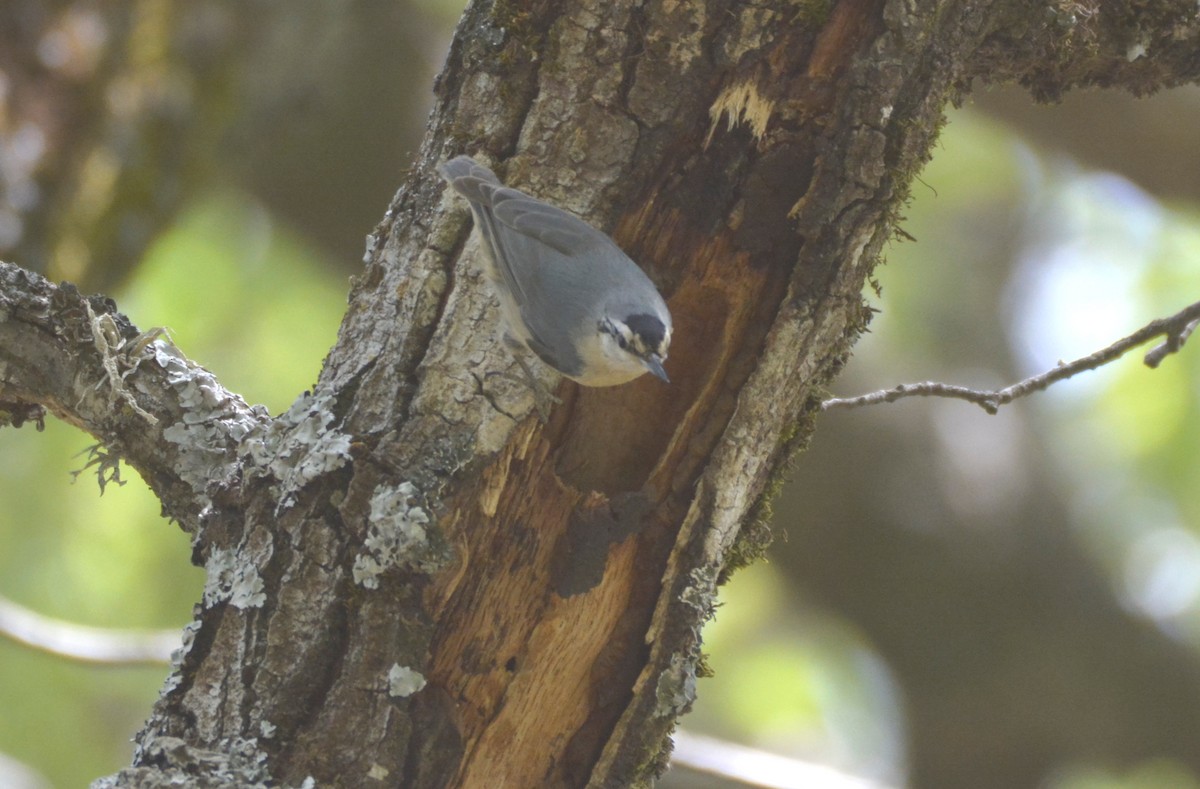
415	583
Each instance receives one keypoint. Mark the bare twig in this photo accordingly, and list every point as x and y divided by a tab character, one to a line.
745	766
1177	329
83	643
1172	344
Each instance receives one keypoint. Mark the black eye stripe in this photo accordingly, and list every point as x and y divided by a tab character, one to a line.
640	335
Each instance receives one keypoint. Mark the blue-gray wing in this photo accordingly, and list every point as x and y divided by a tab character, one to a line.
538	252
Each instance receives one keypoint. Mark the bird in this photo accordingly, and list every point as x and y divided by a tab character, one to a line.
567	292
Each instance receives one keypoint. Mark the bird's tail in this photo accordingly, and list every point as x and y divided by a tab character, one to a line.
468	177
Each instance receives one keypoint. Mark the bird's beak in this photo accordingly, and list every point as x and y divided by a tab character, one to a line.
654	365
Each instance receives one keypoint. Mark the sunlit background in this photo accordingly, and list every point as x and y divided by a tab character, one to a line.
954	599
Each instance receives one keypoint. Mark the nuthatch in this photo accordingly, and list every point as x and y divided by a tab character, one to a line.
567	293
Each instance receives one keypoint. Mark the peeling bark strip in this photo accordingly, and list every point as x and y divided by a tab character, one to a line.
409	587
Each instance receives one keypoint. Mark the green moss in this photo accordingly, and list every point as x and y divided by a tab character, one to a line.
659	762
522	37
511	16
462	139
756	536
812	13
703	669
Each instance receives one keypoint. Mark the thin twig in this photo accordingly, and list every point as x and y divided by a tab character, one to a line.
1172	344
1177	329
741	765
83	643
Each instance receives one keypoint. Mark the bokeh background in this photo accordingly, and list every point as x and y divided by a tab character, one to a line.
953	599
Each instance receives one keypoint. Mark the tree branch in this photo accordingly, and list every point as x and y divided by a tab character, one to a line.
136	393
434	556
83	643
742	765
1177	329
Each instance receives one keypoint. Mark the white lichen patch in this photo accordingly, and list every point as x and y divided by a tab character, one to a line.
298	446
234	578
396	537
372	243
214	421
231	761
403	681
676	688
740	104
177	656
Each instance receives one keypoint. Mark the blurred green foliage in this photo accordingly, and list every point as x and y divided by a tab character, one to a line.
1153	774
247	300
251	303
241	296
792	680
1044	262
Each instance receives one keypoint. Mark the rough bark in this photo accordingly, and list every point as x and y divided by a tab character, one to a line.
412	582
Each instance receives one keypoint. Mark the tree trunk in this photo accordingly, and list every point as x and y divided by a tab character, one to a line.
412	581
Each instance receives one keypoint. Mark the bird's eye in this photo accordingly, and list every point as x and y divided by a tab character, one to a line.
624	343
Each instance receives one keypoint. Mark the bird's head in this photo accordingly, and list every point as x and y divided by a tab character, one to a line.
634	344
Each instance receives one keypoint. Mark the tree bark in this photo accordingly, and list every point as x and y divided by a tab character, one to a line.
412	581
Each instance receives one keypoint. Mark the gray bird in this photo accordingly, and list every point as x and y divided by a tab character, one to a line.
567	292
